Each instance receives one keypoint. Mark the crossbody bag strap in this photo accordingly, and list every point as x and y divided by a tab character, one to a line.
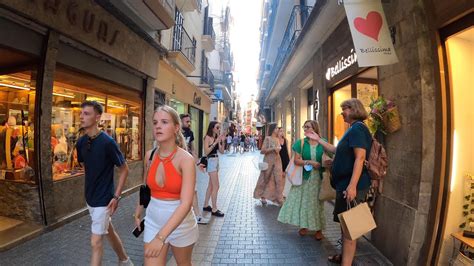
148	164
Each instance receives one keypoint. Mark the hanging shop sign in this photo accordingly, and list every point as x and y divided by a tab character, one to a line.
370	33
341	65
196	99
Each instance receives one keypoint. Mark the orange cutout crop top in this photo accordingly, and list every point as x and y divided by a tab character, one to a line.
171	188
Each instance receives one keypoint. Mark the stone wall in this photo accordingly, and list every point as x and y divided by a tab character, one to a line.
402	210
20	201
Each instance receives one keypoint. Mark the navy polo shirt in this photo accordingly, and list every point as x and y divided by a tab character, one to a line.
99	159
357	136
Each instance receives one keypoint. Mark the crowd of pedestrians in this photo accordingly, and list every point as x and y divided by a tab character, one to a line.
172	213
300	204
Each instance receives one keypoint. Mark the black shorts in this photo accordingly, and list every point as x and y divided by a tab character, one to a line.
341	203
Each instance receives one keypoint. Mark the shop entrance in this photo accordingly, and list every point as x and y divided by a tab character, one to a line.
459	193
20	212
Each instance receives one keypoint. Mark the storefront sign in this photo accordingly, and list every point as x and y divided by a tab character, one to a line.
218	94
370	33
84	19
196	99
341	65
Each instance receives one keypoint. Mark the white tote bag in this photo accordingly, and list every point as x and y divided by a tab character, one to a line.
294	173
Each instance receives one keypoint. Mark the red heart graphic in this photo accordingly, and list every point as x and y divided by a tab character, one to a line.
370	26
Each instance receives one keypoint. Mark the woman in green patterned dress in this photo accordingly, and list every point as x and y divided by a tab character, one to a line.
302	206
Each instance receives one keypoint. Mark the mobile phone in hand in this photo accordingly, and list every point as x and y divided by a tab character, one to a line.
137	232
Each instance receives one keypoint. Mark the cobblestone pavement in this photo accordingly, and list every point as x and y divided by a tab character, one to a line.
248	234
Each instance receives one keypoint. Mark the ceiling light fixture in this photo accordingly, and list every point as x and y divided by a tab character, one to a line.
15	86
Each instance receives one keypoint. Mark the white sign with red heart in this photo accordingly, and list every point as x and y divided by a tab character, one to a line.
370	33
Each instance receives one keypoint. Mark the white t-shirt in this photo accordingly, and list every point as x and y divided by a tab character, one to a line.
229	139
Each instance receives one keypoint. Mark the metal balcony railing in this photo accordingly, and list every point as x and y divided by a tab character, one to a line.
299	16
221	77
207	77
184	43
209	28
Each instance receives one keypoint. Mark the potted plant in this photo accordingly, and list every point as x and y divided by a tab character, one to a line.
383	116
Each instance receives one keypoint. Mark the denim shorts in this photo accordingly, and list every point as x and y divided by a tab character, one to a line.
212	164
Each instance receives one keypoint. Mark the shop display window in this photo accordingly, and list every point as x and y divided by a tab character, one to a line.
178	106
120	120
17	113
460	205
363	87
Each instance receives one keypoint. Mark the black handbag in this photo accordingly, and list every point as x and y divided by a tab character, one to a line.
145	193
203	161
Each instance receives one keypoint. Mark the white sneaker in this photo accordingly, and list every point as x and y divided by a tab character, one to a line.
202	220
127	262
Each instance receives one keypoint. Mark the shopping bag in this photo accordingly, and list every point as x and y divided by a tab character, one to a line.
357	221
326	192
294	173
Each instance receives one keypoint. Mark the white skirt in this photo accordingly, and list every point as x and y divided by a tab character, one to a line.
158	213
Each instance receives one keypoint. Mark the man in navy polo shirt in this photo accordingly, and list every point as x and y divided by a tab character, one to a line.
99	154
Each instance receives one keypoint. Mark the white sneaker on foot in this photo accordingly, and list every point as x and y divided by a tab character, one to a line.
127	262
202	220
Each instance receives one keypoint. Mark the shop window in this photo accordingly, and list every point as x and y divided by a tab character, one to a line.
120	120
178	106
340	126
17	113
460	210
363	87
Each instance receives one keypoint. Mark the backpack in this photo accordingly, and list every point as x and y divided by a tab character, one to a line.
377	163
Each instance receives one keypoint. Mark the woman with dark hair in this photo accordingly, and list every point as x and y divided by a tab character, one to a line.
213	142
349	176
302	206
285	158
270	182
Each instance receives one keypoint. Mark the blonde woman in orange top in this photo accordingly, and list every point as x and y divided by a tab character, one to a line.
171	176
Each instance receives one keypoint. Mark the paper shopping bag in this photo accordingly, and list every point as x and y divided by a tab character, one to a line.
357	221
326	192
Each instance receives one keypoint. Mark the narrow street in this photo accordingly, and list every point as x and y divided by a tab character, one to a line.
248	234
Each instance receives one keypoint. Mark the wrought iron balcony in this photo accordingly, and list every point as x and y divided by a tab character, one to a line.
224	78
183	43
299	16
209	35
207	77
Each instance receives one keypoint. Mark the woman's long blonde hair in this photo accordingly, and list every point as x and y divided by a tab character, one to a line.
180	140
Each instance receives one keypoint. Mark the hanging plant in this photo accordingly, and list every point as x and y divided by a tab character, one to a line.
383	116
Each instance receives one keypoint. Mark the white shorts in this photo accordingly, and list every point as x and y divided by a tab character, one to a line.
212	164
157	214
100	220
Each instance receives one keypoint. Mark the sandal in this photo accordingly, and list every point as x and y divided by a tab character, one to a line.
218	213
337	259
303	231
319	235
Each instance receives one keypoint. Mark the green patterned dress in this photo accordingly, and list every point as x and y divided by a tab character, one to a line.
302	206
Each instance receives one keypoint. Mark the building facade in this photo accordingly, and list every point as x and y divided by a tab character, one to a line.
181	80
54	55
425	193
